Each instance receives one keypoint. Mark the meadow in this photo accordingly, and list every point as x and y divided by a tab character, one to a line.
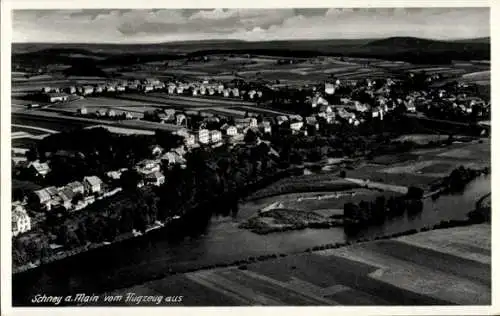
426	268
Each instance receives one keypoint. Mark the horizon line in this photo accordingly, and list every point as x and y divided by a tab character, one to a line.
257	41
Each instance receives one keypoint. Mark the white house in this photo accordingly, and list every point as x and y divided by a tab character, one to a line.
265	127
92	184
41	168
148	88
99	89
296	126
203	136
329	88
86	90
229	130
21	222
180	120
82	111
57	97
215	136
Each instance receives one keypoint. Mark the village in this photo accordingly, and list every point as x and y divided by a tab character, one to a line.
351	102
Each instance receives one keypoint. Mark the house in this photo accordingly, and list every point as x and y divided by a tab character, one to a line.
46	89
203	136
326	109
171	89
156	150
120	88
99	89
173	158
265	127
132	86
180	120
281	119
82	111
250	122
155	178
76	187
57	97
162	117
110	113
220	88
252	93
211	91
158	86
194	92
235	92
147	88
229	130
225	93
318	100
410	107
215	136
129	116
312	121
86	90
70	90
110	88
147	166
100	113
45	197
189	139
115	175
179	90
92	184
40	168
21	222
66	196
361	107
296	126
329	88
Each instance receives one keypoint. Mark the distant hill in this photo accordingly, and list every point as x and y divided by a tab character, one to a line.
412	49
484	40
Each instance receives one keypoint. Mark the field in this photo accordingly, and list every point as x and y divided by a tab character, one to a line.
429	268
424	166
306	183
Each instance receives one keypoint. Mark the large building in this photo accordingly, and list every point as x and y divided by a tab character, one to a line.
57	97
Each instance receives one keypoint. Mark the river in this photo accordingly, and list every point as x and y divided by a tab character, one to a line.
135	261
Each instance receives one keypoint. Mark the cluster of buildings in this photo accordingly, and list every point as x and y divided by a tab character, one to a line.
110	114
51	197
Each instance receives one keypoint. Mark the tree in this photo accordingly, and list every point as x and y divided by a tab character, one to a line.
129	180
250	137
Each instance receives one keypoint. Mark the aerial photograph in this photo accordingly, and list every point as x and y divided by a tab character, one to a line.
251	157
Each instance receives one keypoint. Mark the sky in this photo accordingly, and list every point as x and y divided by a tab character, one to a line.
165	25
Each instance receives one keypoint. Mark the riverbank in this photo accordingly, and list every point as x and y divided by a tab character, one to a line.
309	263
427	268
69	253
